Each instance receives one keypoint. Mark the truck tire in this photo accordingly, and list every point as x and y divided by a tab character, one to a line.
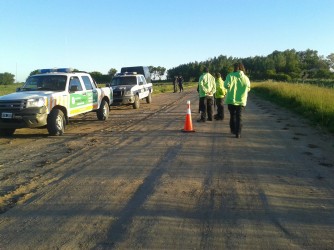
56	122
136	104
103	112
149	98
7	131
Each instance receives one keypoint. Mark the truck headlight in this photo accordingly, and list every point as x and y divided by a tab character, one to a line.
128	92
35	103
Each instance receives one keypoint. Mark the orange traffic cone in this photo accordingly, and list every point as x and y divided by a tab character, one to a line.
188	125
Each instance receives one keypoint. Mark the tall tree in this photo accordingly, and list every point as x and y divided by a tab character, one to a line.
331	60
6	78
157	72
112	72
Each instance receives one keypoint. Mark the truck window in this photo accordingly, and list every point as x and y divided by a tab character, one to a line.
75	82
46	82
87	82
142	79
128	80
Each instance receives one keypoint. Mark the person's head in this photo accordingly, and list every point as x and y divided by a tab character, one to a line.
218	75
206	70
239	67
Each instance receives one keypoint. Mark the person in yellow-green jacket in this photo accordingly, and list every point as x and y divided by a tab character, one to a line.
206	90
219	97
238	86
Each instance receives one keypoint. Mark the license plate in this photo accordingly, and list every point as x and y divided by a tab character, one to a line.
7	115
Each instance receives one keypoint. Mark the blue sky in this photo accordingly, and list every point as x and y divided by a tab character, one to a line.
97	35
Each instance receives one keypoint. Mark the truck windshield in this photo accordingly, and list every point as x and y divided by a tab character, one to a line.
46	82
129	80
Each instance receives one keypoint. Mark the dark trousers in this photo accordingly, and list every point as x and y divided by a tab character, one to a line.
205	106
235	118
220	107
181	87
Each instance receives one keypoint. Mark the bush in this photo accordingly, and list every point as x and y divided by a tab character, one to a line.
282	77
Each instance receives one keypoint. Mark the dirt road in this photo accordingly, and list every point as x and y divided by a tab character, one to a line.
137	182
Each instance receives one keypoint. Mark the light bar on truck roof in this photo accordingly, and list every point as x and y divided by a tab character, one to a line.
127	73
56	70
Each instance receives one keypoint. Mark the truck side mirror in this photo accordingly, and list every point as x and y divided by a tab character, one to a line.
18	89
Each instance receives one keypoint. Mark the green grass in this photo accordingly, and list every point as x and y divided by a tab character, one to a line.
310	101
168	87
7	89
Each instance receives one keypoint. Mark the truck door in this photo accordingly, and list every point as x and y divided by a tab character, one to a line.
144	87
78	97
91	92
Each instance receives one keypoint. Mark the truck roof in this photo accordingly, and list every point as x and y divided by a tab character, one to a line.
143	70
62	71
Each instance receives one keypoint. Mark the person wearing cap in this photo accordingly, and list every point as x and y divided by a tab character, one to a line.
206	90
219	97
238	86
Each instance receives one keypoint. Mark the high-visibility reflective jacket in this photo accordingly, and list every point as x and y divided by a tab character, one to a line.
206	85
238	86
220	90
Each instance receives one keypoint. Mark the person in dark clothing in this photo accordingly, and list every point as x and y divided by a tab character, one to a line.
180	81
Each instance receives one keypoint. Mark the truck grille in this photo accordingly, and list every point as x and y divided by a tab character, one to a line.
118	93
13	105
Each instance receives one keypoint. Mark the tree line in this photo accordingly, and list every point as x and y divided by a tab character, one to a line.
288	65
156	74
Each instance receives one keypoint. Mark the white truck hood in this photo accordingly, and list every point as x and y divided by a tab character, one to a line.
25	95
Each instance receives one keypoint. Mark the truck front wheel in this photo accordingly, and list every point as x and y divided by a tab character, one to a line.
149	98
56	122
103	112
136	104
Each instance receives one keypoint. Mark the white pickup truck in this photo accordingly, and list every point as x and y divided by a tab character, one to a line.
130	87
49	98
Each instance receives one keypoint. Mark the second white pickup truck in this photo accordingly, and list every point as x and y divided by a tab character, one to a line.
129	88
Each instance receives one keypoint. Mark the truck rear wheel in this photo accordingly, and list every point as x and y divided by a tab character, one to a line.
56	122
7	131
136	104
103	112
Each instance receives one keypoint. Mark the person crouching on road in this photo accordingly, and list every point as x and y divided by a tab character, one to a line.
238	86
219	97
206	89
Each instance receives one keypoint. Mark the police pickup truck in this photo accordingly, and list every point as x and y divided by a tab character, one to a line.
49	98
129	88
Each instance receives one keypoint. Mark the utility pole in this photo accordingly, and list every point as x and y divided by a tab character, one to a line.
16	74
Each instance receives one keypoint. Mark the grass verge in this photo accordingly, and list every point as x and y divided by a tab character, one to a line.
168	87
7	89
310	101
